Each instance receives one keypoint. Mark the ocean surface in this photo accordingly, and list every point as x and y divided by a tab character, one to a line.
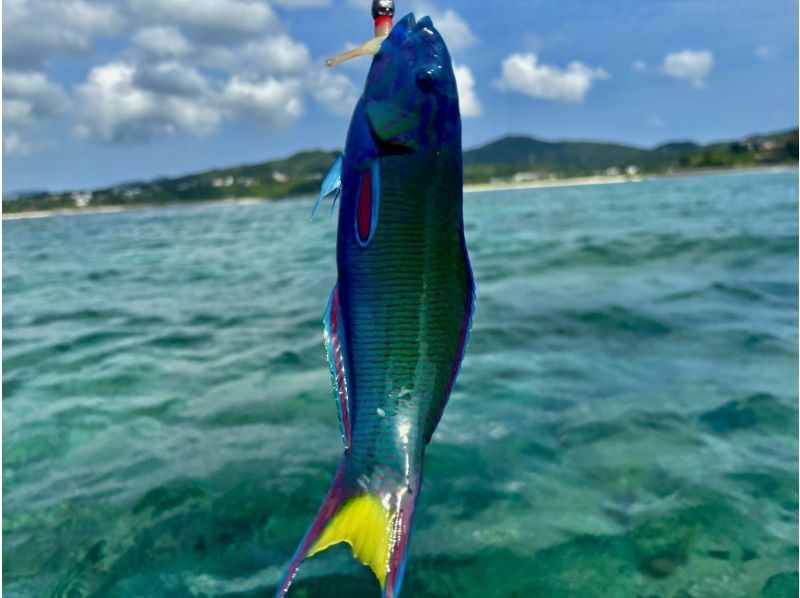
625	421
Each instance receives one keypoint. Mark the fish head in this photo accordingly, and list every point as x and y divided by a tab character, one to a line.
411	99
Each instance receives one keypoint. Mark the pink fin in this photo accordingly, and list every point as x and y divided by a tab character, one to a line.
333	501
337	359
399	550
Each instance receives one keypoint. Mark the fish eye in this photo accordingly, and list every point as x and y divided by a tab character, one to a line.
426	80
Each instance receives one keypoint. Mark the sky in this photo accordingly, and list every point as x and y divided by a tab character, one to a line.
97	93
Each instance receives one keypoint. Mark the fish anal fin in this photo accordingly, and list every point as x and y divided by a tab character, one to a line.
336	344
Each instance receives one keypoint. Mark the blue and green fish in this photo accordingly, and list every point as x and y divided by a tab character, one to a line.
399	317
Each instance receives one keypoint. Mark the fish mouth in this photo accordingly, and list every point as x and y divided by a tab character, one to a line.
408	22
424	23
394	103
411	25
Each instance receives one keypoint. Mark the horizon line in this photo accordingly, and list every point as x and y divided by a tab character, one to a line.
492	140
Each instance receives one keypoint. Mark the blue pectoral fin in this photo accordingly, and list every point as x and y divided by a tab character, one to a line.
337	358
331	184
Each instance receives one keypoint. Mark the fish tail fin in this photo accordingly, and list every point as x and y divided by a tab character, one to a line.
401	537
377	532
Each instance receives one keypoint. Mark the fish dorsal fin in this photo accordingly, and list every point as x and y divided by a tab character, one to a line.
335	342
332	183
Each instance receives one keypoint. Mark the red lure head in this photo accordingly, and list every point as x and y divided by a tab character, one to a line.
382	13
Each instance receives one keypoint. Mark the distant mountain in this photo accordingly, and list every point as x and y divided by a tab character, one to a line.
591	154
297	175
556	154
677	148
509	158
510	155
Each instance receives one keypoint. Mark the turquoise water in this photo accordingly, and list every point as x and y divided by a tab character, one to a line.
625	422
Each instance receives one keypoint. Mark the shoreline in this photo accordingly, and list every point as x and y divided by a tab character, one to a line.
617	179
470	188
242	201
551	183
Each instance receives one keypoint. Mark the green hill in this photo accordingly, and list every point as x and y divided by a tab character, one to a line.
563	154
677	148
512	156
509	158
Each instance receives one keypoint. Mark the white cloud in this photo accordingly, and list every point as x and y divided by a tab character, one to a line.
115	110
334	91
639	65
209	20
524	73
766	52
219	58
690	65
42	98
656	121
162	42
16	111
170	79
274	103
278	55
454	30
13	145
35	30
127	103
190	65
468	100
29	100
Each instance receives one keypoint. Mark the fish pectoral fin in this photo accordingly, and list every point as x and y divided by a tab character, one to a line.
336	344
332	183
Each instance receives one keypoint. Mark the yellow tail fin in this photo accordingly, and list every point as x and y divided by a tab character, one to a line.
366	525
376	526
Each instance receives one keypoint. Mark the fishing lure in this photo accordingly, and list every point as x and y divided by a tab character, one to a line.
399	316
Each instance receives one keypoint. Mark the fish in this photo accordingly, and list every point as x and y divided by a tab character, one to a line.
399	316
